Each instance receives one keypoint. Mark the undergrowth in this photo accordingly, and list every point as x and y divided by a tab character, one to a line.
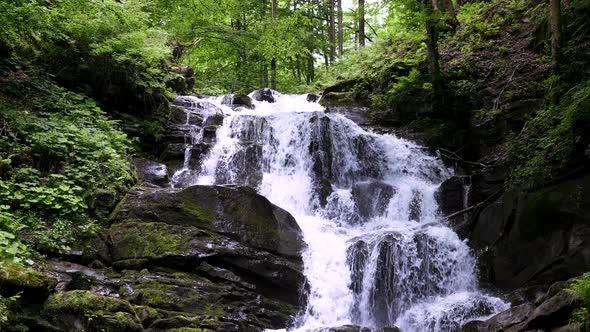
57	148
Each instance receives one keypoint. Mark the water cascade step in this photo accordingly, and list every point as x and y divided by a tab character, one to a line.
378	254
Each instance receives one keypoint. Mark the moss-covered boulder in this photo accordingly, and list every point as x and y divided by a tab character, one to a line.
88	311
31	284
236	212
347	104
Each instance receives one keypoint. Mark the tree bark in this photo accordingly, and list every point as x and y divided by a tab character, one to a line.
340	29
273	8
331	30
432	49
361	9
555	26
273	62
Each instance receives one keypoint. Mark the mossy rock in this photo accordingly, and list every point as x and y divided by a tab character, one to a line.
134	242
236	212
338	99
85	310
34	285
177	292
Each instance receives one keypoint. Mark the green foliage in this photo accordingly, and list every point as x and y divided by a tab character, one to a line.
580	289
111	50
5	303
58	148
548	141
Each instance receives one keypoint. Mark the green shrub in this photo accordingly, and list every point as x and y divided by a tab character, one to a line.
57	150
580	289
547	143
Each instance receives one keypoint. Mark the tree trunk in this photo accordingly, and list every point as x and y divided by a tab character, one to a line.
273	74
435	4
361	23
273	8
273	62
432	50
555	23
449	8
340	29
331	30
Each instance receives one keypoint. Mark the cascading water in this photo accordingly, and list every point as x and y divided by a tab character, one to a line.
377	252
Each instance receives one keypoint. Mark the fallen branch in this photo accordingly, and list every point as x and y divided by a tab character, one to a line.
473	207
454	156
497	100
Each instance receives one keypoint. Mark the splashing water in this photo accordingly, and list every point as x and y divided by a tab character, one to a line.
377	252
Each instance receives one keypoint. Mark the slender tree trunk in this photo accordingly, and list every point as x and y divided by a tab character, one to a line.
435	5
432	50
273	62
264	73
331	30
340	29
449	8
555	26
361	9
273	8
273	74
310	69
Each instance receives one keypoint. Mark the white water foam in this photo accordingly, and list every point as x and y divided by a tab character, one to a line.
377	252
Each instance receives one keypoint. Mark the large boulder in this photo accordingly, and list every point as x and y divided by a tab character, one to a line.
265	94
552	313
346	104
451	194
151	171
537	237
236	212
241	255
31	284
236	101
87	311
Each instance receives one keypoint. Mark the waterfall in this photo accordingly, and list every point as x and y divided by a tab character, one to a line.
377	251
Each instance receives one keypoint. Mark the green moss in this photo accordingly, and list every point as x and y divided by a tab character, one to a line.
93	311
338	99
195	209
549	143
145	240
15	278
178	292
79	301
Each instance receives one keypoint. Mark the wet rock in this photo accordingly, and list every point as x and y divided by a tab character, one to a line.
177	115
312	98
451	193
237	100
245	166
486	183
263	95
151	171
535	237
509	318
554	312
32	285
345	104
103	202
372	197
84	310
